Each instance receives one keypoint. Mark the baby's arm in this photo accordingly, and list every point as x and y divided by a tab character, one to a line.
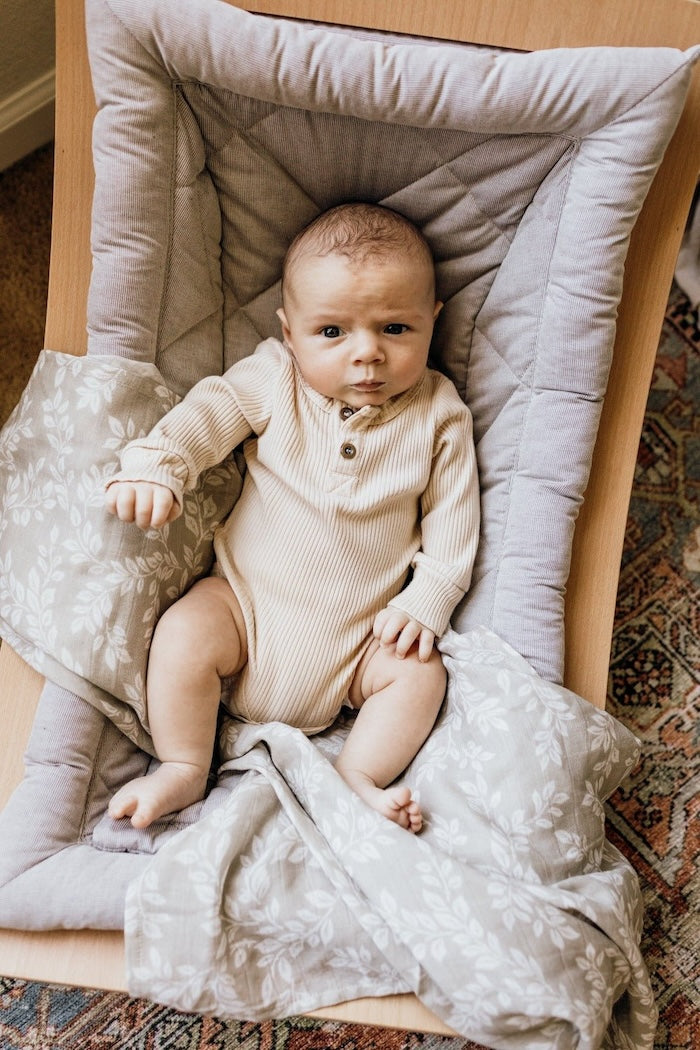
146	503
393	626
442	567
215	416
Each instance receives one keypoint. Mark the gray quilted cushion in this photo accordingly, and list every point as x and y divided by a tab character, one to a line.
220	133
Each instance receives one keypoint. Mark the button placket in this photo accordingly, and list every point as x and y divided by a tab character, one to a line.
348	445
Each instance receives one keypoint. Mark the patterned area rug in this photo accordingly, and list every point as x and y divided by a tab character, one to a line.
655	678
48	1018
654	689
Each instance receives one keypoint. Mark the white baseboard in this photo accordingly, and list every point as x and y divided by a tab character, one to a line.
27	119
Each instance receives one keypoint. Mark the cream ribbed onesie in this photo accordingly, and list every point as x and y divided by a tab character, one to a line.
337	506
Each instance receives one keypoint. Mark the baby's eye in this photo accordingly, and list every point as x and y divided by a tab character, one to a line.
395	329
330	331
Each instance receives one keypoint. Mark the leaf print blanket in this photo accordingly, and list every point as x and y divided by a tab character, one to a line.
79	595
510	916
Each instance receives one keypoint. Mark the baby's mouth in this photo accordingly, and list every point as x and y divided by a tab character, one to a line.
368	384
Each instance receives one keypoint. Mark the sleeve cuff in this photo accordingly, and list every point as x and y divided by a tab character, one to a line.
160	469
430	599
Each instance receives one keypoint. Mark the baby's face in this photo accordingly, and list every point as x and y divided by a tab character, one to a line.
360	333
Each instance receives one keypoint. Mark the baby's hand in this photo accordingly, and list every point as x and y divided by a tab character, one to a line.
393	626
147	504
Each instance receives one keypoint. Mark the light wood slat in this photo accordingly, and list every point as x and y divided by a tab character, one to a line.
523	25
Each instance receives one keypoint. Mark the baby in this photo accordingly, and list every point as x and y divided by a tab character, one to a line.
354	536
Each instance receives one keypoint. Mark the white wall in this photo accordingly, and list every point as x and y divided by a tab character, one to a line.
26	77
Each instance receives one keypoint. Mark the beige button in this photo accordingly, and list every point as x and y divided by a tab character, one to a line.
348	450
346	412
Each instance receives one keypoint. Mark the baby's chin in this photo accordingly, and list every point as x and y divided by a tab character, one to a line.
364	402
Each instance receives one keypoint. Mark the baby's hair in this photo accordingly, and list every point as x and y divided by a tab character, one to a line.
359	232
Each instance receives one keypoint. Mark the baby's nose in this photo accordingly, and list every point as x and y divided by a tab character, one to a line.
367	346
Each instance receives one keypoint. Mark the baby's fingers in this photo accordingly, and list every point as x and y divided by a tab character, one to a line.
120	499
408	637
152	506
111	499
388	625
426	642
163	507
394	627
147	505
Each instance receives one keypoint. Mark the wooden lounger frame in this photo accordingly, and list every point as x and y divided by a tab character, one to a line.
96	959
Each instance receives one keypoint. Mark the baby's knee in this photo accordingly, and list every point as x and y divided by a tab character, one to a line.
192	642
427	677
177	625
201	617
434	672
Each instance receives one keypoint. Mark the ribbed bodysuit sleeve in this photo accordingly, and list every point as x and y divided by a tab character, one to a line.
450	520
212	419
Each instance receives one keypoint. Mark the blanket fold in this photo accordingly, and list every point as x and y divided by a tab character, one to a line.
79	594
510	916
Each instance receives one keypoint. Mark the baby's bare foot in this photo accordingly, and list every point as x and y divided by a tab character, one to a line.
170	788
404	809
395	803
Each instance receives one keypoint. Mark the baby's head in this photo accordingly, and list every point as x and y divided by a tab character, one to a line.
358	293
361	234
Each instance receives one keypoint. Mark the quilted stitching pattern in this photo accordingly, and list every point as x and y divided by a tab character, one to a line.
220	133
272	169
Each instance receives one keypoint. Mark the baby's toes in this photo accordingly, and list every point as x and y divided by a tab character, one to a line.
402	819
123	804
415	818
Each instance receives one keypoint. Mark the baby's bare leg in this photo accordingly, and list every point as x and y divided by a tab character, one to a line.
398	703
197	641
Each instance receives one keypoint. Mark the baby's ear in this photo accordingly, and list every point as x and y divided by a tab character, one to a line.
438	307
286	334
